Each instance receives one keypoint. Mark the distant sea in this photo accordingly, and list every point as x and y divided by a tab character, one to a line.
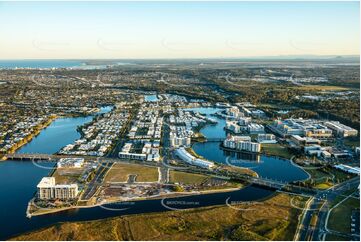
12	64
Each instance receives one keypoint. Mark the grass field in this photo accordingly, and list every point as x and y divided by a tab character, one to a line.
273	219
120	172
321	88
186	178
340	217
324	186
276	150
67	175
334	237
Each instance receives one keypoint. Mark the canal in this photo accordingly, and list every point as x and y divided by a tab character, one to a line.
265	166
19	180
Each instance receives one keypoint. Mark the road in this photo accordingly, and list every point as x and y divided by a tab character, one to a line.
95	183
319	206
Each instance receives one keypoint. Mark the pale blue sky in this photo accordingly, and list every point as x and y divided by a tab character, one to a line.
177	30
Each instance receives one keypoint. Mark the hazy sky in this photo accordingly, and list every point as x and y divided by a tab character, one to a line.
177	30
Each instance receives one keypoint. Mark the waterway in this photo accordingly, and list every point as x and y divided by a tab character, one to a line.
18	182
265	166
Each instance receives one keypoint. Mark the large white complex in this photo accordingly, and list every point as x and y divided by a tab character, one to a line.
303	127
176	141
190	159
48	190
341	129
70	163
150	152
242	143
304	141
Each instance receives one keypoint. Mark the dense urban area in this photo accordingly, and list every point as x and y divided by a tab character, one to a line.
288	127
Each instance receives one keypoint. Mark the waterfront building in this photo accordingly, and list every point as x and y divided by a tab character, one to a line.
70	163
233	127
242	143
49	190
183	154
234	112
243	121
180	141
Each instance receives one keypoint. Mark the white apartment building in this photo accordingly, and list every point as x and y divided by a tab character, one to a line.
48	190
180	141
266	139
188	158
254	128
242	143
233	126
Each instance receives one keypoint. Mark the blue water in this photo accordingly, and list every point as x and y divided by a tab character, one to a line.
151	98
212	130
11	64
58	134
265	166
18	182
17	186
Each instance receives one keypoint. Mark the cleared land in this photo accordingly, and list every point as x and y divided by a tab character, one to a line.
67	175
186	178
321	88
274	219
276	150
340	217
120	172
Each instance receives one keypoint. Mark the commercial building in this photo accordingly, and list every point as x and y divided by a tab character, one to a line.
304	141
70	163
48	190
341	129
348	169
302	127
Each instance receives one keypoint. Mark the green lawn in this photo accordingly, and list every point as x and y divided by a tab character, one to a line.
276	150
120	172
186	178
334	237
340	217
